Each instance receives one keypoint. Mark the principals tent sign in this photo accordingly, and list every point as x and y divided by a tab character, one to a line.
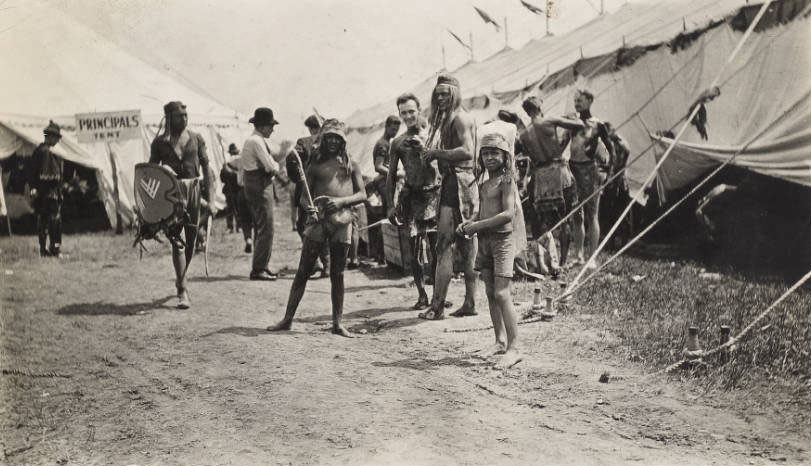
108	126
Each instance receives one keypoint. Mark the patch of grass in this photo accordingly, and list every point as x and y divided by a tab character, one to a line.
651	317
89	247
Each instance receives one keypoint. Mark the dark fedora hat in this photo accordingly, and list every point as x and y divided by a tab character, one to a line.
263	116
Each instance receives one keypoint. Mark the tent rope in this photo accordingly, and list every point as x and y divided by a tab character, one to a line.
650	146
647	130
669	150
672	208
732	342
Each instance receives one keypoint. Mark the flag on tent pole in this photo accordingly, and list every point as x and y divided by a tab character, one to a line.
458	39
532	8
487	19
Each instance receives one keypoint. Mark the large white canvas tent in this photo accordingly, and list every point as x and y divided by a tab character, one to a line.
54	68
646	63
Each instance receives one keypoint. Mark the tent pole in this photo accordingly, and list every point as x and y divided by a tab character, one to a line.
506	34
444	63
471	45
4	206
548	14
118	227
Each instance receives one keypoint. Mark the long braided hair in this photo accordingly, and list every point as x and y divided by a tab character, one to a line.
440	120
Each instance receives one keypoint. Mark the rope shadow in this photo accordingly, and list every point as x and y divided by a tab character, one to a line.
354	289
247	332
361	314
422	364
102	308
221	278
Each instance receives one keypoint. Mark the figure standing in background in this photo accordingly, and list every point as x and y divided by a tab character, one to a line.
258	169
45	178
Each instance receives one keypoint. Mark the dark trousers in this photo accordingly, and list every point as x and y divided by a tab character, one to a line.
244	216
231	208
259	194
49	221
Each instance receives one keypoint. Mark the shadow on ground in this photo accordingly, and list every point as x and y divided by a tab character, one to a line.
102	308
383	273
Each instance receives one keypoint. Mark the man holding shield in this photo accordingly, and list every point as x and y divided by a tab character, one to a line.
184	152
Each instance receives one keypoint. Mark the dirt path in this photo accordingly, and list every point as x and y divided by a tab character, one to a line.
149	384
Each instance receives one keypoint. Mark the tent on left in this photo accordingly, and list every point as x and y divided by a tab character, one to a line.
56	68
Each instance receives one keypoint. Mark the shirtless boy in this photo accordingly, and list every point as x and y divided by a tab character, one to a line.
336	185
494	227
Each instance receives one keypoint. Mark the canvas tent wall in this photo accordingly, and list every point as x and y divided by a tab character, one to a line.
646	62
55	67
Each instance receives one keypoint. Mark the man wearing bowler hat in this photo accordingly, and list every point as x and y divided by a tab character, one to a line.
45	177
258	169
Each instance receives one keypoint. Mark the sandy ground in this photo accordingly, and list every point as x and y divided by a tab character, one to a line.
100	368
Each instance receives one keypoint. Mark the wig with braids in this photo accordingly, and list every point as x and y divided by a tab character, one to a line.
441	119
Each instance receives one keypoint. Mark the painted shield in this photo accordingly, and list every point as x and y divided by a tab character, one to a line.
157	192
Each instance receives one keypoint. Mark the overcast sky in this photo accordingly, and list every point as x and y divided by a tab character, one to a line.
292	55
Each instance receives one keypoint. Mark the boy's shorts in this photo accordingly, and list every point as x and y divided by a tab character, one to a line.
326	232
496	253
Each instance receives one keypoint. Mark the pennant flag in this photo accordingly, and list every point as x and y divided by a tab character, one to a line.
487	19
532	8
458	39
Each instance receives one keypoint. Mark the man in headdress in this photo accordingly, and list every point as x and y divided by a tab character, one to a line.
304	149
258	168
184	152
553	190
418	201
230	188
451	142
337	185
45	177
584	163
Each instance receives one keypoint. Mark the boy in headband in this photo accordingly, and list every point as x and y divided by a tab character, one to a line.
494	227
336	185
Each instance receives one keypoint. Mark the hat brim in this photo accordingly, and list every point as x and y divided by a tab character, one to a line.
262	123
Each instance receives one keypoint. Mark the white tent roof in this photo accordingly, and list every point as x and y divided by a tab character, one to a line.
53	65
655	84
634	24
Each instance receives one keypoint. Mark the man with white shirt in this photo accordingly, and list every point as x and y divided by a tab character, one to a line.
258	169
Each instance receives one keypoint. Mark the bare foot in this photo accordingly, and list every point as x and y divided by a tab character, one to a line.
465	311
340	330
510	358
281	326
422	303
492	350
